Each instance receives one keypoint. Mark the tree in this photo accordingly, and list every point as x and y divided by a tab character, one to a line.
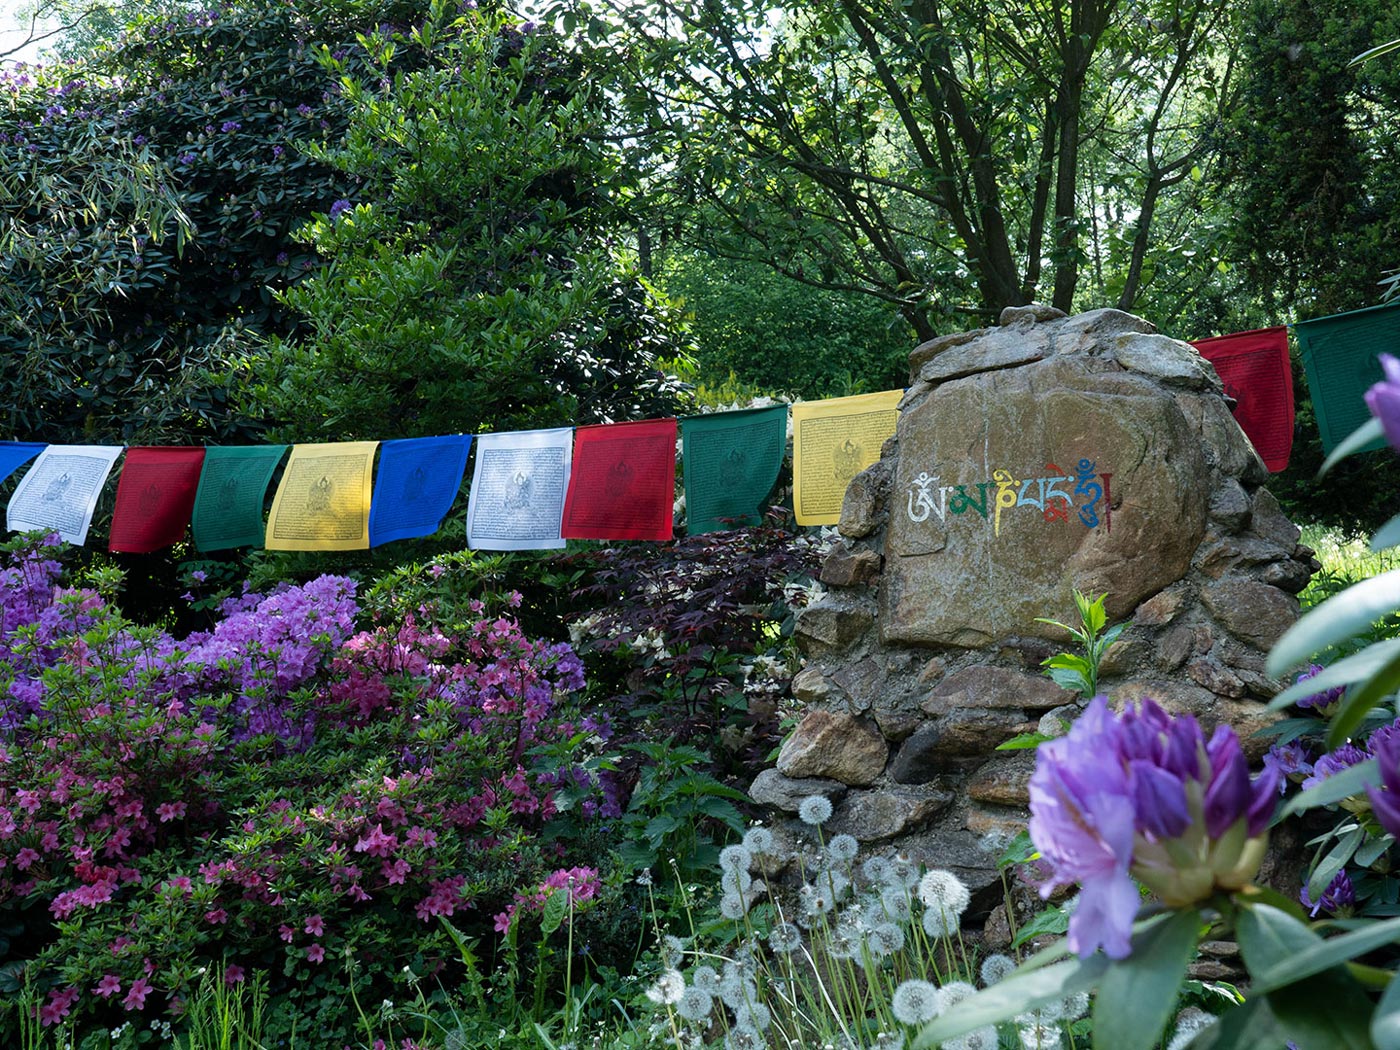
147	200
473	280
912	151
1313	159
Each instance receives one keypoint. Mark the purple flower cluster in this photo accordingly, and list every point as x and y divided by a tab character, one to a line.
1146	795
1323	701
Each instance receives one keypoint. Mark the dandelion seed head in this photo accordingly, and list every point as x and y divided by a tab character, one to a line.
1075	1006
785	938
736	991
672	948
754	1014
984	1038
996	967
731	906
936	924
759	840
903	869
695	1004
945	892
705	977
842	849
888	1041
887	938
1188	1023
952	993
668	989
1038	1036
875	869
896	902
915	1002
815	810
744	1037
735	858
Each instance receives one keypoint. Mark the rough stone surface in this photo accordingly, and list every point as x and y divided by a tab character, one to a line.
1162	608
834	746
864	504
1252	611
896	724
860	682
1031	313
1269	521
847	568
771	788
996	350
1004	782
916	761
975	732
994	687
1249	718
1170	360
811	686
1229	504
831	627
1219	680
1291	576
927	351
968	580
873	816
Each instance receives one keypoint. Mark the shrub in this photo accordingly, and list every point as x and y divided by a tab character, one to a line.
284	793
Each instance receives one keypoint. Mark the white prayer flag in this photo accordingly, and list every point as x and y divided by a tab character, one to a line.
518	486
60	491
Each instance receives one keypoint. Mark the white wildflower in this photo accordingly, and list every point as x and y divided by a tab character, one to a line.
886	939
695	1004
785	938
953	993
996	967
943	891
758	840
896	902
936	924
875	869
842	849
735	858
731	906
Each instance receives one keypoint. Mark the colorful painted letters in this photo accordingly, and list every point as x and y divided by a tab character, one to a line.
1091	500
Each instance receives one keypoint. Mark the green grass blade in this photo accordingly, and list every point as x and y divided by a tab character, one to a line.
1340	617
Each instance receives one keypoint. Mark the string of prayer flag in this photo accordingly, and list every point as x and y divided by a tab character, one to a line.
155	497
15	454
417	483
228	506
323	501
1255	370
1340	358
731	462
832	442
518	489
623	482
59	492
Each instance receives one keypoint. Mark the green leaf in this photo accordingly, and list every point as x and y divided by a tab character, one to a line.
1137	994
1375	52
1359	702
1351	781
1020	992
556	906
1280	950
1023	742
1049	921
1249	1027
1367	432
1385	1022
1336	859
1355	668
1330	1013
1069	661
1388	535
1340	617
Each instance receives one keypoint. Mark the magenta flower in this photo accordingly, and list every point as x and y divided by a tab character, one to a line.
1385	799
315	953
136	994
109	986
1383	400
1144	795
315	926
233	974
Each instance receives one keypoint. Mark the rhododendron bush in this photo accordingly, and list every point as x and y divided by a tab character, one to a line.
291	791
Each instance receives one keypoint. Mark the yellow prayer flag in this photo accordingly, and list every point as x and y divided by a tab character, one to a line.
832	442
323	501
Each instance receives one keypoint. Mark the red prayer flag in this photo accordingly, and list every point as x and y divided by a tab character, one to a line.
623	482
155	497
1255	370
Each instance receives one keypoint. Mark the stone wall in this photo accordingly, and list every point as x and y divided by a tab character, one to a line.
1043	455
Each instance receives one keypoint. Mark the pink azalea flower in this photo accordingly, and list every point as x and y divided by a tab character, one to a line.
109	986
315	953
136	994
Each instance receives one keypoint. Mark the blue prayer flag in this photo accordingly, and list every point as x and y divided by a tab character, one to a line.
418	480
15	454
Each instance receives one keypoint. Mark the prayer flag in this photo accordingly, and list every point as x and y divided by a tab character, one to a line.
518	486
323	501
228	505
832	442
1340	358
59	493
155	496
15	454
731	461
1255	370
623	485
417	482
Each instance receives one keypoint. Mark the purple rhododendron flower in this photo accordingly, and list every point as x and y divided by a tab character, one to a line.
1332	763
1340	894
1385	799
1287	759
1319	701
339	208
1383	400
1144	794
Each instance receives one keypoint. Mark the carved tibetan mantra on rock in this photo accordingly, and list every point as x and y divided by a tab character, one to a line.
1014	487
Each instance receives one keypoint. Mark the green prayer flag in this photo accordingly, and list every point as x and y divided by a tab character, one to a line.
1339	354
228	506
731	461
